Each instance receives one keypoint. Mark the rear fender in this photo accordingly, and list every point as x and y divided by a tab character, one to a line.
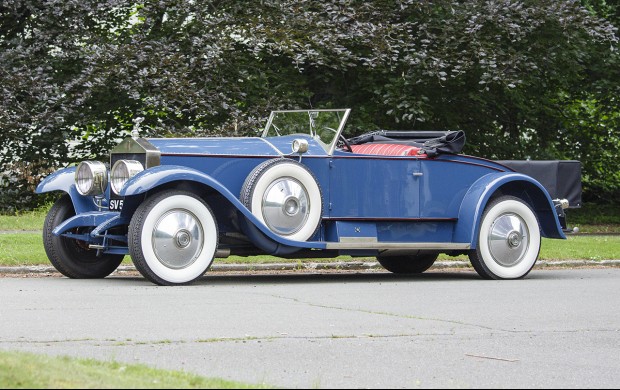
156	177
64	180
505	183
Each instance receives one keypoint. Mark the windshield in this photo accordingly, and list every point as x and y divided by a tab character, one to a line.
324	126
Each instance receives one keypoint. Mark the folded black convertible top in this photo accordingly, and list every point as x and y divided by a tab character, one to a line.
432	142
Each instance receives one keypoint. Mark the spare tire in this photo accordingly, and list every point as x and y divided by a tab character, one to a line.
285	196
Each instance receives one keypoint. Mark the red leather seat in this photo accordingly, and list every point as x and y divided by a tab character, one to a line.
387	150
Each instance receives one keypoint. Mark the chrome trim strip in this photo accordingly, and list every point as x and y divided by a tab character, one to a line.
388	219
263	156
447	246
358	240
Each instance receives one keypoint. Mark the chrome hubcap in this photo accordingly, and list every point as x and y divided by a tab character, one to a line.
178	239
291	206
514	239
508	240
183	239
286	206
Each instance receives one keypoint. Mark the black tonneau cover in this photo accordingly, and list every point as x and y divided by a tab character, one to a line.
562	179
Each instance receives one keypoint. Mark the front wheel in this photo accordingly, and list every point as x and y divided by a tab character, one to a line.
73	258
173	237
508	240
408	264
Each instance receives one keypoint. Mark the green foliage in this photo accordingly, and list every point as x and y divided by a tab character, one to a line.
596	214
524	79
591	136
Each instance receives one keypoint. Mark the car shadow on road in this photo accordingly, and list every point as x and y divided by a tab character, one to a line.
314	277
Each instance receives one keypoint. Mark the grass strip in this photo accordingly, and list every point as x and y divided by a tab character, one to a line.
22	249
574	248
28	220
582	248
29	371
590	218
27	249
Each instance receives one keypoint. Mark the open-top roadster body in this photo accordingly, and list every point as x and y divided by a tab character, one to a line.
300	190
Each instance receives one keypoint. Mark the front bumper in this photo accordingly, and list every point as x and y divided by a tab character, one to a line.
93	228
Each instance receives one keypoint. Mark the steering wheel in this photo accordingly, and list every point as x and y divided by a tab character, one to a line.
343	141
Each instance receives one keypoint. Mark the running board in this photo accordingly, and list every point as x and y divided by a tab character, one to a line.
441	246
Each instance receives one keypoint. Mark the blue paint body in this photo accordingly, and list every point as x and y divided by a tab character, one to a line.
384	199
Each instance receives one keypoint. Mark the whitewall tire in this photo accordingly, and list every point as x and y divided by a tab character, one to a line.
173	238
509	240
285	196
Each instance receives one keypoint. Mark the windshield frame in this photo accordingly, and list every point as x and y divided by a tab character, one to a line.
328	148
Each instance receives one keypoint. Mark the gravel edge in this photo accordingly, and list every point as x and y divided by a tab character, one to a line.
349	266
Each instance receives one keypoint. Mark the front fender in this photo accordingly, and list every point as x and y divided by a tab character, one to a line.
509	183
64	180
157	176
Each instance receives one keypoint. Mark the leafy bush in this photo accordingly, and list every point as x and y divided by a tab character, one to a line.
512	74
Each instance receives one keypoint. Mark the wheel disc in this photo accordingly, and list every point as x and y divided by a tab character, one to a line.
508	239
178	239
285	206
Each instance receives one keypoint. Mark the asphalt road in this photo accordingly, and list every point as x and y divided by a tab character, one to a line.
555	329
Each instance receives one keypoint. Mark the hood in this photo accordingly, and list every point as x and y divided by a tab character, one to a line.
232	146
214	146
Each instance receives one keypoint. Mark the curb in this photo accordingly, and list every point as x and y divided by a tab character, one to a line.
335	266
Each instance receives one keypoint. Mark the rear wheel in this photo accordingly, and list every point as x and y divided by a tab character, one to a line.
508	240
71	257
408	264
173	237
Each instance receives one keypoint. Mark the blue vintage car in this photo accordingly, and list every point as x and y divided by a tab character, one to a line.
300	190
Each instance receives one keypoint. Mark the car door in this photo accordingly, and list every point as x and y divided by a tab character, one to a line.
444	183
374	187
